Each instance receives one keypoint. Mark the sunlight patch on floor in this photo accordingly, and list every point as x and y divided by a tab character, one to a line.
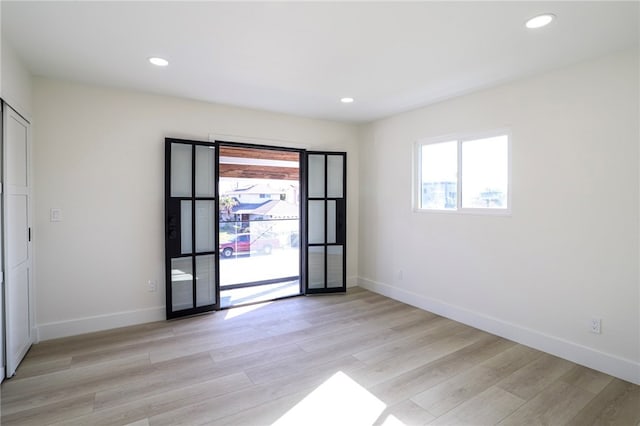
339	400
241	310
392	420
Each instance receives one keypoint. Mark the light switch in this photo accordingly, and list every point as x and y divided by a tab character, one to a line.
56	215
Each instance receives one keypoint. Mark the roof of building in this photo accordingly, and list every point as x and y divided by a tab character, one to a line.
259	188
276	209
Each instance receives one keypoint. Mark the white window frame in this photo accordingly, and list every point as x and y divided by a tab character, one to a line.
459	139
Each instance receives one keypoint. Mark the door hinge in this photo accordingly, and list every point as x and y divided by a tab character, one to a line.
1	277
29	234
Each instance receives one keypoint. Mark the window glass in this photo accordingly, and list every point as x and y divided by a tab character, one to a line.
485	173
464	174
439	181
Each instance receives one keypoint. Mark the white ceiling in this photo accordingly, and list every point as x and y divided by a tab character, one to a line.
300	58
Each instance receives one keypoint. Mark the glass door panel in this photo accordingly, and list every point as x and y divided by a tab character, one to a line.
316	171
331	221
185	228
326	222
315	261
335	179
206	280
205	171
335	274
180	170
316	221
181	283
191	241
205	226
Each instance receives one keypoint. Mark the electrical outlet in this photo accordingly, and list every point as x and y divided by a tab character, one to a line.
55	215
153	286
596	325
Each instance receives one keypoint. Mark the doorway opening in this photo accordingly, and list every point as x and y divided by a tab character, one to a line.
259	224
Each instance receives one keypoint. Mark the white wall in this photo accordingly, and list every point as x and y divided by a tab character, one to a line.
568	252
15	81
99	156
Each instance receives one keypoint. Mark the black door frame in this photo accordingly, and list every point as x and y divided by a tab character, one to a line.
341	223
173	223
173	229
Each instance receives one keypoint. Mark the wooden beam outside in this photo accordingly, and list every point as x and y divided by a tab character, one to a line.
266	154
258	172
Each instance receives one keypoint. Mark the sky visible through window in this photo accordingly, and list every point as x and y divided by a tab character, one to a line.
440	162
484	169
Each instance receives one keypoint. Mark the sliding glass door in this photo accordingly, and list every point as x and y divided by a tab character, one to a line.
259	225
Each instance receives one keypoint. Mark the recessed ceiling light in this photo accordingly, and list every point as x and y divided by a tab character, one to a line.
346	100
540	20
160	62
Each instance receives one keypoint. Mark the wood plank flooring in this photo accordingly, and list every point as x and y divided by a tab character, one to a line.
355	359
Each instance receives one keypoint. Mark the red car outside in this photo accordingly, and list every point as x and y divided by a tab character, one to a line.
242	243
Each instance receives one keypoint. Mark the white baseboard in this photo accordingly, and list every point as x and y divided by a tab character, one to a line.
618	367
54	330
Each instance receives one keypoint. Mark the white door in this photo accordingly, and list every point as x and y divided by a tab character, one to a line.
17	236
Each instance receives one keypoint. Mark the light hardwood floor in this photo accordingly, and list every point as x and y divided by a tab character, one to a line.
353	359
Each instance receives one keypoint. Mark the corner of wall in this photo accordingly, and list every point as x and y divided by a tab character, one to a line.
15	81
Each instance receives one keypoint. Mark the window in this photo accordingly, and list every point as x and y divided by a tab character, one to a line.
469	174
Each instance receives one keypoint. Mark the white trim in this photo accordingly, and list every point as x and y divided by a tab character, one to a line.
622	368
54	330
282	143
74	327
467	211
